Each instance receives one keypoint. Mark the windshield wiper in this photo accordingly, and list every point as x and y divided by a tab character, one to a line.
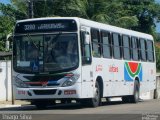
32	40
55	39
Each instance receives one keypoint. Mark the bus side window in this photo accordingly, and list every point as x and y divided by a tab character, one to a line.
135	54
85	49
106	43
150	51
116	45
126	47
143	49
96	46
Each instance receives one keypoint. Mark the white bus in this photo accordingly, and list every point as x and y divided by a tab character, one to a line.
70	58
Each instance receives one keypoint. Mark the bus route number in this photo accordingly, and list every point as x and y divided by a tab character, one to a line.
29	27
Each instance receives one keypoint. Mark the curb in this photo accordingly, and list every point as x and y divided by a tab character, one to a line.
9	106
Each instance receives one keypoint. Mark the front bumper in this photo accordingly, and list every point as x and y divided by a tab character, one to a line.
71	92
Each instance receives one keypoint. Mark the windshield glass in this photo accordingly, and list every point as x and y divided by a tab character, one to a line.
46	53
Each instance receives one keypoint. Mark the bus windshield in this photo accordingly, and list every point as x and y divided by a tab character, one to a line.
46	53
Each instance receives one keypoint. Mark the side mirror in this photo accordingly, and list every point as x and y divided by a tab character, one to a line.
86	60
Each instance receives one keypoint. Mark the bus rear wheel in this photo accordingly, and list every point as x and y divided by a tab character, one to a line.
126	99
132	98
135	97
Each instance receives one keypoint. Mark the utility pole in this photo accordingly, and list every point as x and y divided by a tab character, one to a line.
30	9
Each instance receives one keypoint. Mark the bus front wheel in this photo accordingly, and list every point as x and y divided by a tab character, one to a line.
96	100
42	104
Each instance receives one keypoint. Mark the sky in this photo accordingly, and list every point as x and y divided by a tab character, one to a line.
5	1
157	24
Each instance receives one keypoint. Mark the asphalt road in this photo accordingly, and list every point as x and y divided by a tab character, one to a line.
117	110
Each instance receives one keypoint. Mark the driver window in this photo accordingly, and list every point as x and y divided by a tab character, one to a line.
85	49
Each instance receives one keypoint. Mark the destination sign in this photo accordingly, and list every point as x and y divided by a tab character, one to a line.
45	26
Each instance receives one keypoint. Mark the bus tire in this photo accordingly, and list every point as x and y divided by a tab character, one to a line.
135	97
65	101
40	105
126	99
96	100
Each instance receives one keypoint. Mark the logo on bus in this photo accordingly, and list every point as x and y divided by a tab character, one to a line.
99	68
44	84
132	70
113	69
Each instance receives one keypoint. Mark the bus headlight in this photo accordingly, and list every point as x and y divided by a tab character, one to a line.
19	83
71	80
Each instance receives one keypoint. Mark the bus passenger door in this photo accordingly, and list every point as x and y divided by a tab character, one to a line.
87	73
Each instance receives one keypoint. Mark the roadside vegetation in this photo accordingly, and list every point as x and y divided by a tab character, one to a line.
138	15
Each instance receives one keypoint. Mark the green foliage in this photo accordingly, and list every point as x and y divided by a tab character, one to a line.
139	15
157	49
131	14
2	46
6	25
21	7
146	12
8	15
127	21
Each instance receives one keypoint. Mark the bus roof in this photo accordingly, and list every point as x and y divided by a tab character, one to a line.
94	24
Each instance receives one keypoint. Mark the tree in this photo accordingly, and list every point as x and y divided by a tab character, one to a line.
9	14
146	11
105	11
157	49
139	15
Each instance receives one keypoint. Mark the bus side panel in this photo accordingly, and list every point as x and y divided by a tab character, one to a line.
118	81
87	82
107	76
120	85
112	73
149	77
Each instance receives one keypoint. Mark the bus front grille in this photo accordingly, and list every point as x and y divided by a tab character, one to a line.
44	92
41	85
